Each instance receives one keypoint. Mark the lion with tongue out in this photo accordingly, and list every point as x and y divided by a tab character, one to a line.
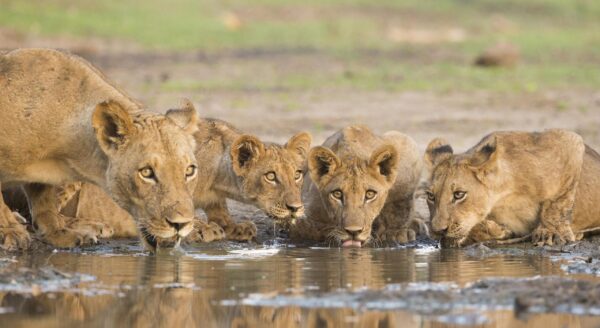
360	189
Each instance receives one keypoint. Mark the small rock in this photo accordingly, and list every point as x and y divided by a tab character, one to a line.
499	55
36	290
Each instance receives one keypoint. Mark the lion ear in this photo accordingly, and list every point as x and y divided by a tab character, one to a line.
245	151
185	117
112	124
384	160
483	153
437	151
300	143
322	163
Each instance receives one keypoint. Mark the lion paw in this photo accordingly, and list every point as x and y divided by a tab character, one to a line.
98	229
206	232
420	226
402	235
243	231
446	242
66	238
543	236
14	238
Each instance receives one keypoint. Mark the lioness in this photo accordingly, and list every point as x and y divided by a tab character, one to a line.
512	184
358	181
61	121
231	165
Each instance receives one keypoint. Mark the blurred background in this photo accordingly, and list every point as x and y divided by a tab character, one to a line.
452	68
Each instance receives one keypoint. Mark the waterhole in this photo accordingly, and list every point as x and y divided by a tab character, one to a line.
236	285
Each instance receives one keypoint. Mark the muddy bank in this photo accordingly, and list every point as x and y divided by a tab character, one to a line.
581	257
521	295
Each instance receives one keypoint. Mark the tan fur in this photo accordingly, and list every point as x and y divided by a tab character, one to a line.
355	162
515	183
63	121
87	202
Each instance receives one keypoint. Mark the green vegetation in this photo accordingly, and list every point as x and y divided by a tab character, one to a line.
559	40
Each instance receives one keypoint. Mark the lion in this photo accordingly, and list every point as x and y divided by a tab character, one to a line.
243	168
232	165
63	121
512	184
360	185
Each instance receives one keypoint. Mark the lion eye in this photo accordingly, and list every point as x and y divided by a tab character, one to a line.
370	194
298	175
430	196
337	194
190	171
270	176
147	173
458	195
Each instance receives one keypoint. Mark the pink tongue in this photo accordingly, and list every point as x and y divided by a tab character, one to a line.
351	243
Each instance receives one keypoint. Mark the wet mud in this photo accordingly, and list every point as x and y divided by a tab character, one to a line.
275	283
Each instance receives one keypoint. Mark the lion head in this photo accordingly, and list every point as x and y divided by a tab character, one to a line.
457	189
352	190
271	175
151	166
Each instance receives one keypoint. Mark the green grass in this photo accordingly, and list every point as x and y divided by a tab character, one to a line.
437	78
559	39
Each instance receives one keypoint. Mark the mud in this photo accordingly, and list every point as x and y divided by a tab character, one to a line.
521	295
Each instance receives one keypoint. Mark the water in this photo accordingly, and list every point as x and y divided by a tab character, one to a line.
229	286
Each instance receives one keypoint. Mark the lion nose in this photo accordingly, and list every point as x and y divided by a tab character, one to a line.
439	226
178	222
178	226
353	230
293	207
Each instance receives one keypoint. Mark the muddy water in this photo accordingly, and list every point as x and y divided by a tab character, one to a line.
226	285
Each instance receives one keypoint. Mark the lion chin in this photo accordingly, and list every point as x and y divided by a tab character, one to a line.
352	243
347	241
154	235
279	215
452	242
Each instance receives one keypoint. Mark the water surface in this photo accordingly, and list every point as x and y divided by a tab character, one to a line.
229	286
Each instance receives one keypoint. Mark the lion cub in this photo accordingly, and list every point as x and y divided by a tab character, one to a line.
230	165
360	182
512	184
243	168
61	121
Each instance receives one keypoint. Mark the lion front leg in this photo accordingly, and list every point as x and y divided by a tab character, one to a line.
205	232
555	220
388	230
238	231
13	234
397	235
305	229
489	230
58	230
